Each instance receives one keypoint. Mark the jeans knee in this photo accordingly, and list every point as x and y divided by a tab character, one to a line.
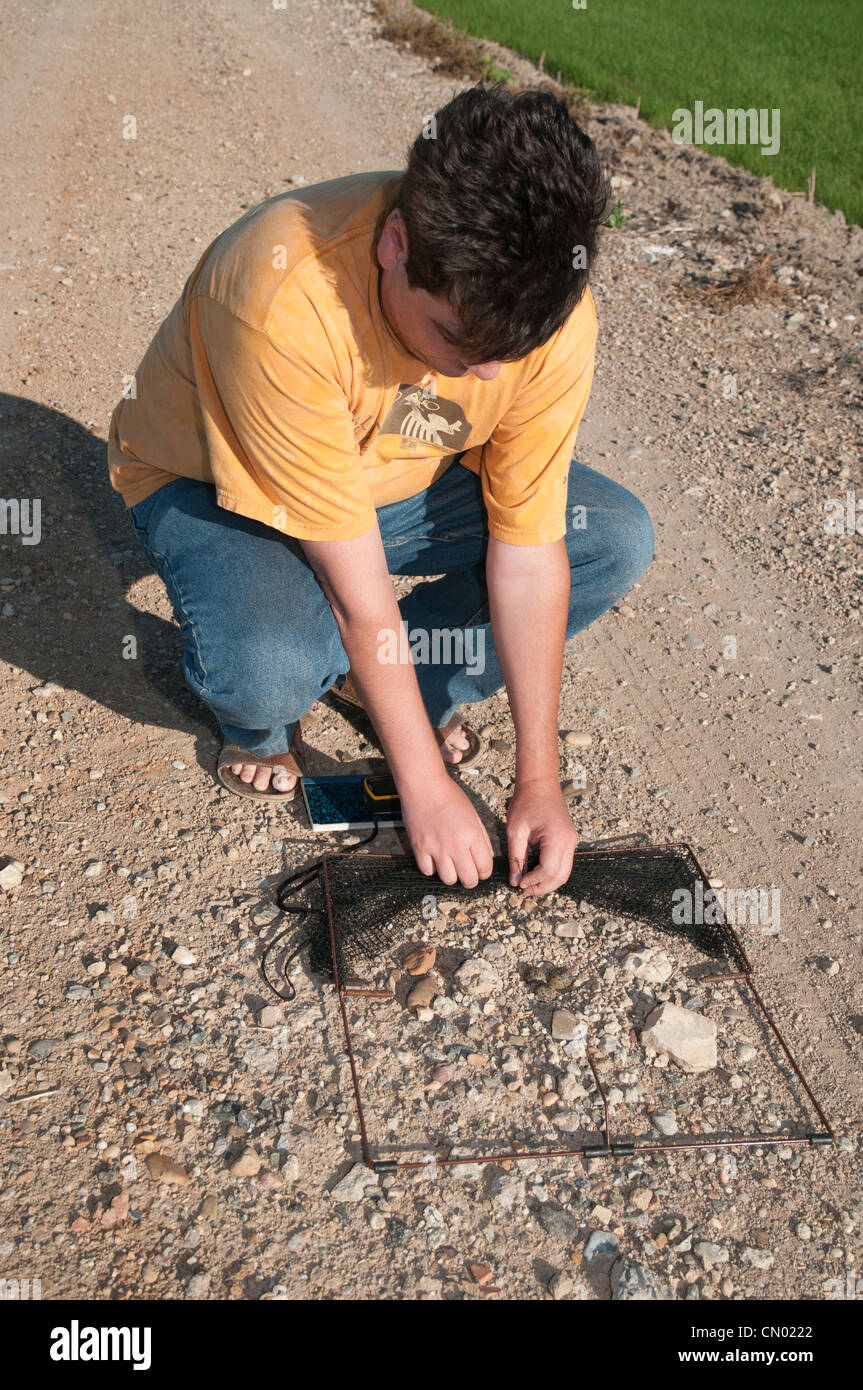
633	543
261	684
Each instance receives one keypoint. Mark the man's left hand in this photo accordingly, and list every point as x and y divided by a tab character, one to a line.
538	816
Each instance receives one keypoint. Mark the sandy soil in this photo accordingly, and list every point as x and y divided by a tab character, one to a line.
737	426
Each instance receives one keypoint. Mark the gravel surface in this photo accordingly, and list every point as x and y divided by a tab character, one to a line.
167	1128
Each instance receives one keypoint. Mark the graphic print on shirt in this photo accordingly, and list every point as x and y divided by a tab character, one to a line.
417	413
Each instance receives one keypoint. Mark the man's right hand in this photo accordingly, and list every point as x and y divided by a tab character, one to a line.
446	835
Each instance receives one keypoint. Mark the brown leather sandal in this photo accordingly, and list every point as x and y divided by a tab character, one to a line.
290	761
469	756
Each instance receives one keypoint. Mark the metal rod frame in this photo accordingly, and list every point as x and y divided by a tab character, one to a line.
610	1149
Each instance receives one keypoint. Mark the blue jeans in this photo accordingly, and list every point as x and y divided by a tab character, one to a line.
262	644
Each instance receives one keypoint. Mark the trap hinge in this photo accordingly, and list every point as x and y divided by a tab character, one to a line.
385	1165
821	1139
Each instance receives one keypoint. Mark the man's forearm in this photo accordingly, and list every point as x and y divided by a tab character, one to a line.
392	700
529	600
353	575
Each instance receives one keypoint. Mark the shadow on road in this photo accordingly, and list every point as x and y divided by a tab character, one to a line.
73	559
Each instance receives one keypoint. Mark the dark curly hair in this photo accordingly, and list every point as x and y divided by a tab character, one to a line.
495	205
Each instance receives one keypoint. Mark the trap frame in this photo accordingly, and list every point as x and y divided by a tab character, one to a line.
362	904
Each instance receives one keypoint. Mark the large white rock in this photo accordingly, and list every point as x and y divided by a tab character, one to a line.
687	1037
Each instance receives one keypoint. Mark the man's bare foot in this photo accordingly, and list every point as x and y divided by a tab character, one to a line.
455	745
452	750
283	781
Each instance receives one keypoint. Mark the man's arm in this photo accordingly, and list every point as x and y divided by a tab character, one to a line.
529	598
446	834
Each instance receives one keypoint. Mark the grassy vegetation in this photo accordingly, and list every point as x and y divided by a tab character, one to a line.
795	55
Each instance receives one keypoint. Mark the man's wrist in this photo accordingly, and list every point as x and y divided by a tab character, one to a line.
548	781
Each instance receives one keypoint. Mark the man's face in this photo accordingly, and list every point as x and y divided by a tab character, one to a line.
424	323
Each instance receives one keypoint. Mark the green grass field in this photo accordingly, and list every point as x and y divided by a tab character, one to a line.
800	56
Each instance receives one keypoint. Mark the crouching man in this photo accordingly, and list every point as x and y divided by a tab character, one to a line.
384	374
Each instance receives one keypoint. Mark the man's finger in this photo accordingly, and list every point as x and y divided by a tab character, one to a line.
553	869
517	845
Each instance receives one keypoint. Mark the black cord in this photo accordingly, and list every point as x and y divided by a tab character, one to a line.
301	879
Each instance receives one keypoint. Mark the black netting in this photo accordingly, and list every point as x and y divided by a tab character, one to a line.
376	899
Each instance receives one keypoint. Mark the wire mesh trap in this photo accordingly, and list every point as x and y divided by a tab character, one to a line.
358	909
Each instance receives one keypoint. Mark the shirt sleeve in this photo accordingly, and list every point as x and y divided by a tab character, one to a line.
524	466
280	434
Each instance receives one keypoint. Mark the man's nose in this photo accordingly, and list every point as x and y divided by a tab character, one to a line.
486	371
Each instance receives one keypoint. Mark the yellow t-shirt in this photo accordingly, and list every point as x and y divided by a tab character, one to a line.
276	378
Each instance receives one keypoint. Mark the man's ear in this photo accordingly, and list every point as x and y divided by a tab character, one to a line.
393	242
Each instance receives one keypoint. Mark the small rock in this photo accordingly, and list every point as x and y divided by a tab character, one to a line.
94	868
422	993
665	1121
164	1169
248	1165
744	1052
507	1189
635	1283
600	1243
43	1048
691	640
561	1286
198	1286
564	1025
209	1208
270	1016
803	1231
758	1258
652	966
183	956
420	960
264	914
568	931
358	1183
828	965
687	1037
478	978
11	874
711	1254
558	1223
574	739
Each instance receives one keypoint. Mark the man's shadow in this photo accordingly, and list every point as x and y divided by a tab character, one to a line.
73	622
